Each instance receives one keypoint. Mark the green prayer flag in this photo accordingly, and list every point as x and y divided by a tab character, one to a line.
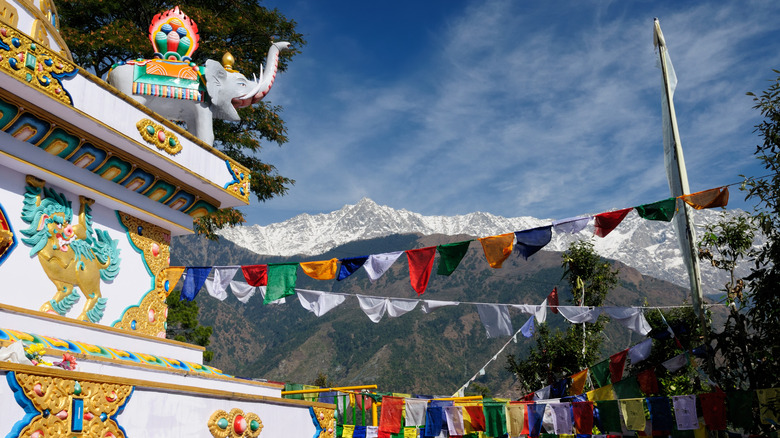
658	211
627	388
495	419
281	281
609	414
739	405
293	387
599	374
450	255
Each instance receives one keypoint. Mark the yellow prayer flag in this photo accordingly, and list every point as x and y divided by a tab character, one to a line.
769	405
711	198
411	432
701	432
633	410
171	276
311	396
577	386
497	248
321	270
603	393
348	431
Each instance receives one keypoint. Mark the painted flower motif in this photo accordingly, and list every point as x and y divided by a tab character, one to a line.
68	362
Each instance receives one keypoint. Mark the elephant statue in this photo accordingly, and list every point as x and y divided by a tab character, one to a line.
182	91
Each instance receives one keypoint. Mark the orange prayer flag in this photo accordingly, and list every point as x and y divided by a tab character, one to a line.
321	270
577	386
718	197
497	248
171	276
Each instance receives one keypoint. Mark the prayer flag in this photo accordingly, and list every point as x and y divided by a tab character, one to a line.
455	424
583	417
535	417
321	270
242	290
660	413
256	275
476	418
378	264
193	282
769	405
450	255
552	300
571	225
658	211
433	420
281	281
599	373
633	411
606	222
349	265
740	408
528	328
609	416
390	418
172	275
676	362
711	198
517	419
399	306
627	388
562	421
429	306
633	318
373	307
640	351
685	412
497	248
617	363
648	382
603	393
415	411
420	267
217	286
713	406
558	389
578	382
319	303
529	242
495	318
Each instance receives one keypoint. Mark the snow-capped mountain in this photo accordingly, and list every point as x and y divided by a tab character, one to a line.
651	247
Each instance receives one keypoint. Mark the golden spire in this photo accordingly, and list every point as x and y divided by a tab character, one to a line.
228	61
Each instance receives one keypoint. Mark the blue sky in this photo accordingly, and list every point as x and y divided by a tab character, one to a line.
548	109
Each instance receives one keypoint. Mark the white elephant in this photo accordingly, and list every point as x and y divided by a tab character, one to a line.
183	97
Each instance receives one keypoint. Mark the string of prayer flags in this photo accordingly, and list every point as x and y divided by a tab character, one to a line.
350	265
497	248
378	264
617	363
319	303
571	225
495	318
712	198
539	312
321	270
658	211
685	412
219	280
633	410
606	222
580	314
529	242
195	278
450	256
420	267
630	317
713	406
552	300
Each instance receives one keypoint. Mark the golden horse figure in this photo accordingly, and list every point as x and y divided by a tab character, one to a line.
72	255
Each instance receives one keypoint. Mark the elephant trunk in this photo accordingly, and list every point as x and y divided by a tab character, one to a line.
266	80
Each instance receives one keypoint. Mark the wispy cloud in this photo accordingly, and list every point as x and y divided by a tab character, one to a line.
522	110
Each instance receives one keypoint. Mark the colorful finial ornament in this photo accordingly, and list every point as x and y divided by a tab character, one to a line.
174	35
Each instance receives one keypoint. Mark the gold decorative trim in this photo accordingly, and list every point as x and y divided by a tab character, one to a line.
240	185
68	406
35	64
45	17
168	387
327	419
156	135
235	424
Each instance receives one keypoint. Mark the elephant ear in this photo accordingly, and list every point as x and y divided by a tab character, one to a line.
216	85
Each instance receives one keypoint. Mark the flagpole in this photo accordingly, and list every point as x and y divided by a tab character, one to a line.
678	185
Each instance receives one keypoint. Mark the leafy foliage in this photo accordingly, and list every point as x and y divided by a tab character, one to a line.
101	33
560	353
183	323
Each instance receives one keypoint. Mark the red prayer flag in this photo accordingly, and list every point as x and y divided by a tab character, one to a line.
713	405
477	417
648	382
392	408
552	300
616	363
420	267
606	222
583	417
256	275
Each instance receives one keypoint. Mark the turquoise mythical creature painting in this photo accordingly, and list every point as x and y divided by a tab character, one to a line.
72	255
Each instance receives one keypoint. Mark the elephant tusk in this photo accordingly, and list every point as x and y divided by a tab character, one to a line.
265	82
